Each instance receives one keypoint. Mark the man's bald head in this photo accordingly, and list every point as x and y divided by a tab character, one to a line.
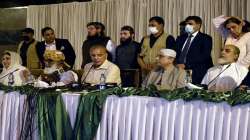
98	54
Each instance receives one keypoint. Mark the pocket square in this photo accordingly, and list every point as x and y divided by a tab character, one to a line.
62	48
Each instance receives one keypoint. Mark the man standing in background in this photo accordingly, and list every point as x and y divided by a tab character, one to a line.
52	43
96	35
194	49
152	44
126	56
27	49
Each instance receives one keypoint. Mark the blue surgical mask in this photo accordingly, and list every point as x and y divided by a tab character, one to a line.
189	29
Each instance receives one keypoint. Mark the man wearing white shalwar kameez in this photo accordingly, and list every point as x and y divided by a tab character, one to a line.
229	74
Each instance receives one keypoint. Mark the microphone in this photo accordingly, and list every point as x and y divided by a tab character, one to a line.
87	74
217	76
9	73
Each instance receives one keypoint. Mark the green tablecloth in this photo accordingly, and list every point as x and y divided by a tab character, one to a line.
46	108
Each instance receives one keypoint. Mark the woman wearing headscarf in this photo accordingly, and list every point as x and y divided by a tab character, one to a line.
13	74
235	31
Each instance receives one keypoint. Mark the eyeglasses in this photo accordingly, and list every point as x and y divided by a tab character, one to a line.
227	50
160	56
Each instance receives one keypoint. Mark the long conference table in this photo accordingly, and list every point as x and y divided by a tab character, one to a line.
140	118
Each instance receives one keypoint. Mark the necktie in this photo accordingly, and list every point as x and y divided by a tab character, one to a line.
182	58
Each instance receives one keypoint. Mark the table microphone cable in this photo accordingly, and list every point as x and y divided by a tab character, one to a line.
218	75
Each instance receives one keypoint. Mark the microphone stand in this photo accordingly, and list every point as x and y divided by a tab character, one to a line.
9	73
87	74
218	75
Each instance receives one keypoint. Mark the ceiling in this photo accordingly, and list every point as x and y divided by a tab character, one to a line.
18	3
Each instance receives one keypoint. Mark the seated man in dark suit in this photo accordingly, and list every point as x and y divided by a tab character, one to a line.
194	49
52	43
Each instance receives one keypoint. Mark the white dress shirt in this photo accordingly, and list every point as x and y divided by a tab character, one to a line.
225	77
192	38
51	46
111	49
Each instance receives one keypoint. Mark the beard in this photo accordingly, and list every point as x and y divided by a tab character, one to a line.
126	41
223	61
92	37
51	69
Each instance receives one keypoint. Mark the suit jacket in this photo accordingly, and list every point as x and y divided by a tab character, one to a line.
170	79
62	45
198	58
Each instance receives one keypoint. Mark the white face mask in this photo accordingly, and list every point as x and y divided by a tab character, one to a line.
153	30
189	29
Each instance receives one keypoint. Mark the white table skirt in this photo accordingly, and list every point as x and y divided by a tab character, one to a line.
11	115
148	118
143	118
12	110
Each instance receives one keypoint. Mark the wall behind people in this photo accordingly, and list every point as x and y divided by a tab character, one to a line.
12	20
69	20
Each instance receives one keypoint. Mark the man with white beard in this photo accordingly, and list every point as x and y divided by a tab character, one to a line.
57	72
229	74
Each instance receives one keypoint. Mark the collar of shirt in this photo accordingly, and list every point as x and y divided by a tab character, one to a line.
225	66
169	69
50	44
153	39
105	65
194	34
192	38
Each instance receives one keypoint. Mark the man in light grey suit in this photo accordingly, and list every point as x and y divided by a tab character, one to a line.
166	75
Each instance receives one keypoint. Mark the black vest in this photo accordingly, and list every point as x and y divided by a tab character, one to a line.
126	55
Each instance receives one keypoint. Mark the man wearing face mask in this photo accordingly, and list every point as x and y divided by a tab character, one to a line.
126	55
194	49
152	44
27	49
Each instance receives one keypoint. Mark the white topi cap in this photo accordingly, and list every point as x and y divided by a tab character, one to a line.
168	52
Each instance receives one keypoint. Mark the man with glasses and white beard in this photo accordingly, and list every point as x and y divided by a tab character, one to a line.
229	74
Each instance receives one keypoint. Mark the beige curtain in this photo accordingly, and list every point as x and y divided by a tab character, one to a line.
69	19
